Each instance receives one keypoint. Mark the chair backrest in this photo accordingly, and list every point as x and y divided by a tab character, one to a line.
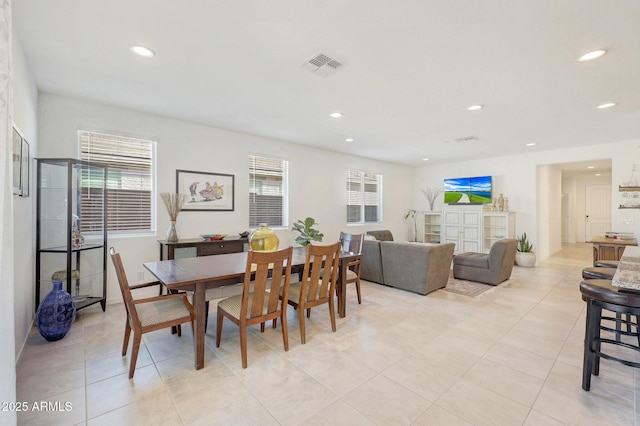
266	292
501	257
320	272
124	285
351	243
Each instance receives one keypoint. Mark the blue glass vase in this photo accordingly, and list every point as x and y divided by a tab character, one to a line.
56	313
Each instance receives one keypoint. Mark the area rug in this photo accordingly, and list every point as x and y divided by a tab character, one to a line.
466	288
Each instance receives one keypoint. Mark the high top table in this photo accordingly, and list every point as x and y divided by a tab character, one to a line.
610	248
628	273
197	274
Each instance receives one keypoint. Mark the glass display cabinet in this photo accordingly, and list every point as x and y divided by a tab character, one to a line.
71	229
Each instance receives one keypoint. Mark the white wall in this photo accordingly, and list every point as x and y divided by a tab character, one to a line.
517	178
316	177
7	309
25	99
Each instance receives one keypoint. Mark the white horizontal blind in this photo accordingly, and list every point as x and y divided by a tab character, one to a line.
267	191
364	197
129	179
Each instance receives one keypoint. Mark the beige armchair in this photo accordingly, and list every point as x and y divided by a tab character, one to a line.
492	268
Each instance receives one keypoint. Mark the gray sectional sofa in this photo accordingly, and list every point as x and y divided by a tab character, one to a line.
421	268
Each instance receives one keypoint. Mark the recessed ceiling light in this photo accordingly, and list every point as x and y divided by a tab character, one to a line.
597	174
607	105
425	159
592	55
530	144
349	140
475	107
143	51
591	167
335	115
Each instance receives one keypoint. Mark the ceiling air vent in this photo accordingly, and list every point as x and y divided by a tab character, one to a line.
463	140
321	65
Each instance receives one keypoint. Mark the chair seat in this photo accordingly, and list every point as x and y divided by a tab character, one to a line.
157	312
294	292
225	291
232	306
351	276
475	260
598	273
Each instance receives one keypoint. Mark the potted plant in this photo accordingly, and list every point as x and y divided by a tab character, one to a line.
525	256
307	233
413	214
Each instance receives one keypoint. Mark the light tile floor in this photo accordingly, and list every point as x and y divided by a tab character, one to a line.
511	356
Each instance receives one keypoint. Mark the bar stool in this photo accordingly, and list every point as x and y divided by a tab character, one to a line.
599	295
605	273
607	263
598	273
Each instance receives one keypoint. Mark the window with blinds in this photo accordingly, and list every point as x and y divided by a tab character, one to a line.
130	177
364	197
267	191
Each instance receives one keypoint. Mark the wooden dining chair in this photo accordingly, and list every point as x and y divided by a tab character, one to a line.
149	314
317	285
272	272
353	243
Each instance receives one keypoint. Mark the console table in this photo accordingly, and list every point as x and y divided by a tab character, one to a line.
609	248
196	247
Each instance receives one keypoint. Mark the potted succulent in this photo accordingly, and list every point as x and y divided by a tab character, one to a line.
307	233
525	256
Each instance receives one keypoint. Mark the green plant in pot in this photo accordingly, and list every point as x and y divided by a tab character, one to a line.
525	256
413	214
307	233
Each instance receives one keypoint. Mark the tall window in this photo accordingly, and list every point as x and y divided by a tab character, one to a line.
267	191
130	207
364	197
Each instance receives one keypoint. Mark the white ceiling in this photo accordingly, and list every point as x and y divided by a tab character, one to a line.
411	69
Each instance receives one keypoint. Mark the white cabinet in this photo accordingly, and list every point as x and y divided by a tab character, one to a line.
463	226
432	227
496	226
472	229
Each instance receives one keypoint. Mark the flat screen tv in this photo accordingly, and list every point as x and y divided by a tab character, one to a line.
468	190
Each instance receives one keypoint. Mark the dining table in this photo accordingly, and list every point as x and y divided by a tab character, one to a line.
197	274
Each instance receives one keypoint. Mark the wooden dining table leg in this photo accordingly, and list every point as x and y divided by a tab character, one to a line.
341	289
200	321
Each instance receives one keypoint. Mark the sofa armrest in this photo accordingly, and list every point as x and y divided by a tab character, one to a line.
371	262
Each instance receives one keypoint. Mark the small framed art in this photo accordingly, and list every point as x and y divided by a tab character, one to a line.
206	191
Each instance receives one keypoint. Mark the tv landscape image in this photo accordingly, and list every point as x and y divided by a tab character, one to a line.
468	190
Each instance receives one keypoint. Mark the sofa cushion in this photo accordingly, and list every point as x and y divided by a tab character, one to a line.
477	260
383	235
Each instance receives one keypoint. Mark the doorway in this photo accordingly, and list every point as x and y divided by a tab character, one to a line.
597	210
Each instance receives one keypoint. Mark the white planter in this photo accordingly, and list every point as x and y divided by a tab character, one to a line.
526	260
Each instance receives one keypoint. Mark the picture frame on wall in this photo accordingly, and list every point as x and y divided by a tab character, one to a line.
16	155
25	176
206	191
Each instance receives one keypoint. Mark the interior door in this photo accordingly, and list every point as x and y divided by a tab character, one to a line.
597	211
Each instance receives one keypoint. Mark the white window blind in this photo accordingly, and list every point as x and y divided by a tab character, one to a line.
364	197
267	191
129	180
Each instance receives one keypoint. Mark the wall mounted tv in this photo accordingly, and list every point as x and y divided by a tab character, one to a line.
468	190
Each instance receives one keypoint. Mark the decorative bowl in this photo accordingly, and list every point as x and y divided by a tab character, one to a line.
213	237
